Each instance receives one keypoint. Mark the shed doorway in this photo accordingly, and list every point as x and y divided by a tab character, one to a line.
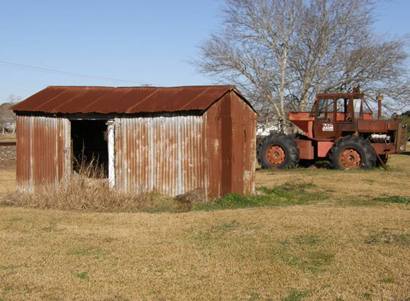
90	147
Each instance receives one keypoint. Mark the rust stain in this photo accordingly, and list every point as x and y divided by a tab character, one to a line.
42	151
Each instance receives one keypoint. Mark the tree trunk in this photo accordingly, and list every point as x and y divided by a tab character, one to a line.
283	65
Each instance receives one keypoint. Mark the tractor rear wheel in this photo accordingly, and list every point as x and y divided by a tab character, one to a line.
278	151
352	152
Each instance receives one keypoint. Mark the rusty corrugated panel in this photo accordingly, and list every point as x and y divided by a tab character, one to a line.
162	154
130	100
231	146
243	138
43	151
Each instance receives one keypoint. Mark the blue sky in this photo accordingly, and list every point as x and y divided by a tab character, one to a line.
119	43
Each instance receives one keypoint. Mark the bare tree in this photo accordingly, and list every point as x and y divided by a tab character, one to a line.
280	53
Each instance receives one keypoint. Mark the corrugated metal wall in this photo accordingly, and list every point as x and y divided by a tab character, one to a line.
163	154
231	146
43	151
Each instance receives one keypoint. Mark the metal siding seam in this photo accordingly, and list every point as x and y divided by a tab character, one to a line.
132	154
140	155
123	160
160	175
127	148
179	156
31	180
167	152
189	157
198	180
145	154
204	159
175	161
151	152
57	153
118	152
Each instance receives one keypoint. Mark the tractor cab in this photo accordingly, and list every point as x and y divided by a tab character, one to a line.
338	112
334	113
341	107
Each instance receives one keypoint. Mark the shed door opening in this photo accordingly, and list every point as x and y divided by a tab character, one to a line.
90	147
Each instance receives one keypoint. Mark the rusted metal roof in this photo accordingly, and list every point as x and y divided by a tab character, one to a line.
129	100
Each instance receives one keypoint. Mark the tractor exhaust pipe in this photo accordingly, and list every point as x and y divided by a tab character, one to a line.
379	106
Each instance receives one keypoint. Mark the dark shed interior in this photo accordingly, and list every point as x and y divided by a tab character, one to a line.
89	147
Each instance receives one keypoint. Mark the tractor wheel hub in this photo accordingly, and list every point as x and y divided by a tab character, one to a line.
276	155
350	158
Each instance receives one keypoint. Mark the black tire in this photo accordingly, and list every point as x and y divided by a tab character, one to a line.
286	143
360	146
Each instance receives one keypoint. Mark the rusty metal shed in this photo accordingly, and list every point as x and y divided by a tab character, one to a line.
171	140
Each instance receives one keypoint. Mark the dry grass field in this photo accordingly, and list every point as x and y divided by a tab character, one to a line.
335	235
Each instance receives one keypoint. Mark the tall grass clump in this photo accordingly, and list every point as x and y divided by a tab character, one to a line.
88	189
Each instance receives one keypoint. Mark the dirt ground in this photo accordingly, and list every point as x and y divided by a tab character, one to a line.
348	247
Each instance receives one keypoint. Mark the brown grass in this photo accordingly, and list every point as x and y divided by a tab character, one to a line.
7	179
348	246
246	254
350	184
88	190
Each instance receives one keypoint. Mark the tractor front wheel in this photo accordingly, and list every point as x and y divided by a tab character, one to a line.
352	152
278	151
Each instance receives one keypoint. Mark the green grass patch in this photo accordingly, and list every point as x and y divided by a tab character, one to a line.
394	199
284	195
304	252
82	275
388	279
308	261
295	295
309	239
87	251
386	237
215	233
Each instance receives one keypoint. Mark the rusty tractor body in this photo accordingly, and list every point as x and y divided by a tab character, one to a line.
340	127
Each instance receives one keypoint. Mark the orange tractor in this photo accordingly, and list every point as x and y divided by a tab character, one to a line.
341	127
